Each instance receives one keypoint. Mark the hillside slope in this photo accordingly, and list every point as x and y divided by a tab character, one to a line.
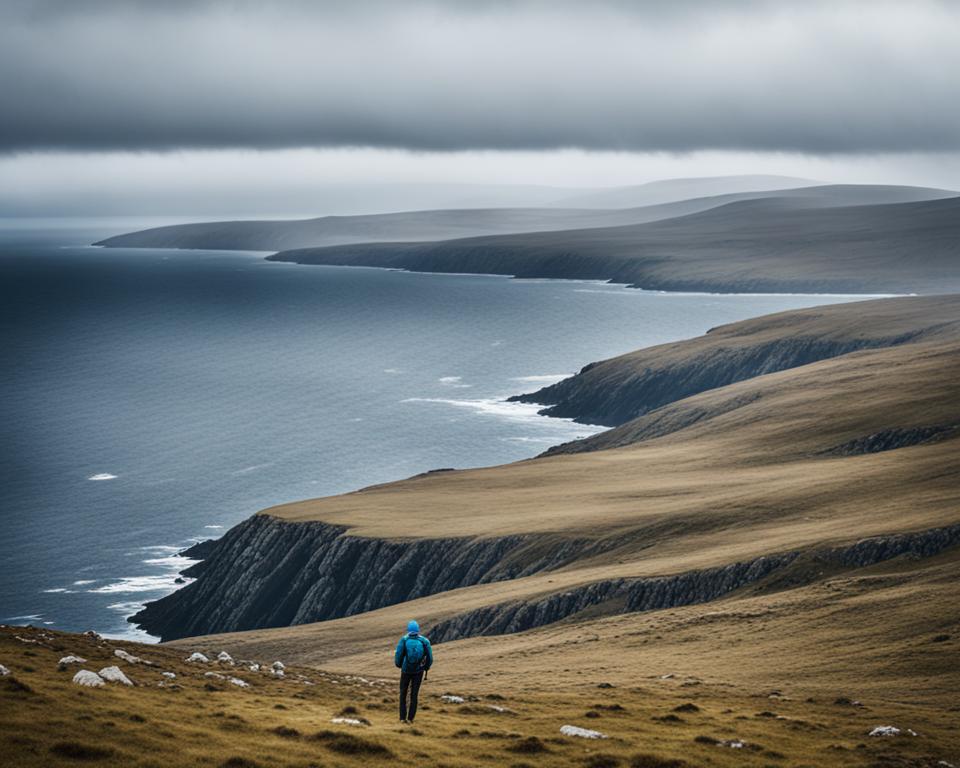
649	688
611	392
714	497
278	235
782	244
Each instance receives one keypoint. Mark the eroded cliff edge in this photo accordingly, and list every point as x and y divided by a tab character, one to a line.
267	572
612	392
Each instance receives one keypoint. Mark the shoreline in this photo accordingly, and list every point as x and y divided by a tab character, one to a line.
585	281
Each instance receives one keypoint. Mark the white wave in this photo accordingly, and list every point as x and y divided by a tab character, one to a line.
83	582
253	468
214	527
166	581
392	370
25	617
174	562
522	412
102	476
130	584
58	590
130	607
546	378
537	440
450	379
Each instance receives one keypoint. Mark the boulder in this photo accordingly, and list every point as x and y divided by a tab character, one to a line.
128	657
88	679
583	733
115	675
197	657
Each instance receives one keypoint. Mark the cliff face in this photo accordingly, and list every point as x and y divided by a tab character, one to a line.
630	595
599	394
615	391
266	572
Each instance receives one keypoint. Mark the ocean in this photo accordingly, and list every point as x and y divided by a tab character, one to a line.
154	398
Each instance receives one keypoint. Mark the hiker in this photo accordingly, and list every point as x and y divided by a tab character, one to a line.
414	657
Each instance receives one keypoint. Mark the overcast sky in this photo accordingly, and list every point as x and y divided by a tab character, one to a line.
241	106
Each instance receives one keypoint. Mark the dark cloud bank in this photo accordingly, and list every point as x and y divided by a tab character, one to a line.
806	76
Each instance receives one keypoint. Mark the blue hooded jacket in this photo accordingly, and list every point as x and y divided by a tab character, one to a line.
400	656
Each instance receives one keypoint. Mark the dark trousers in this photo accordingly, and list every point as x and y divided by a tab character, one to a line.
411	681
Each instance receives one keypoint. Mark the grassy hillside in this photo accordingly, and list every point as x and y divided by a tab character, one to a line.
797	678
613	391
766	244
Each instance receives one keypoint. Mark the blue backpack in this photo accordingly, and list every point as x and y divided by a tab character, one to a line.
415	653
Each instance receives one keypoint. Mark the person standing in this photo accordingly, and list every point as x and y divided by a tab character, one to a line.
413	657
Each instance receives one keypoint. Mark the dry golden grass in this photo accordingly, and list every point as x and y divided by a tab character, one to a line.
776	671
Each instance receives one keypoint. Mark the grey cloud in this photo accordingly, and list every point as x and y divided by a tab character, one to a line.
765	76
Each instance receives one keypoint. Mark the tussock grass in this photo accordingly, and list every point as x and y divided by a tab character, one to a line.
181	724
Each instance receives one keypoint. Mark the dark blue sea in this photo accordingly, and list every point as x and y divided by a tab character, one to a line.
153	398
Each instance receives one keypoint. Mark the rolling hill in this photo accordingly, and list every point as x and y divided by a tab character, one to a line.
276	235
781	244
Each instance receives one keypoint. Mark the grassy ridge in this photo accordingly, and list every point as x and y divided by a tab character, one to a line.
201	720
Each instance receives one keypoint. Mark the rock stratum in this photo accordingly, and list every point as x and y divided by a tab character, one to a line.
838	454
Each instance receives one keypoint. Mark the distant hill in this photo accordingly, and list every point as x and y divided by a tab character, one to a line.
671	190
414	226
784	243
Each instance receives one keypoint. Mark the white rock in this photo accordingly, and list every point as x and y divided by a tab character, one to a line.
129	658
583	733
115	675
451	699
225	657
4	671
171	675
346	721
71	660
278	673
238	682
496	708
254	667
885	730
732	743
278	665
196	656
217	675
89	679
94	635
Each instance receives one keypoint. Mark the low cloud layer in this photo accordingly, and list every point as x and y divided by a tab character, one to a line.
809	77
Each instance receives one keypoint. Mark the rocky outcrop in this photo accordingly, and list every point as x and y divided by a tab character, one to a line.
891	439
631	595
266	572
199	551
